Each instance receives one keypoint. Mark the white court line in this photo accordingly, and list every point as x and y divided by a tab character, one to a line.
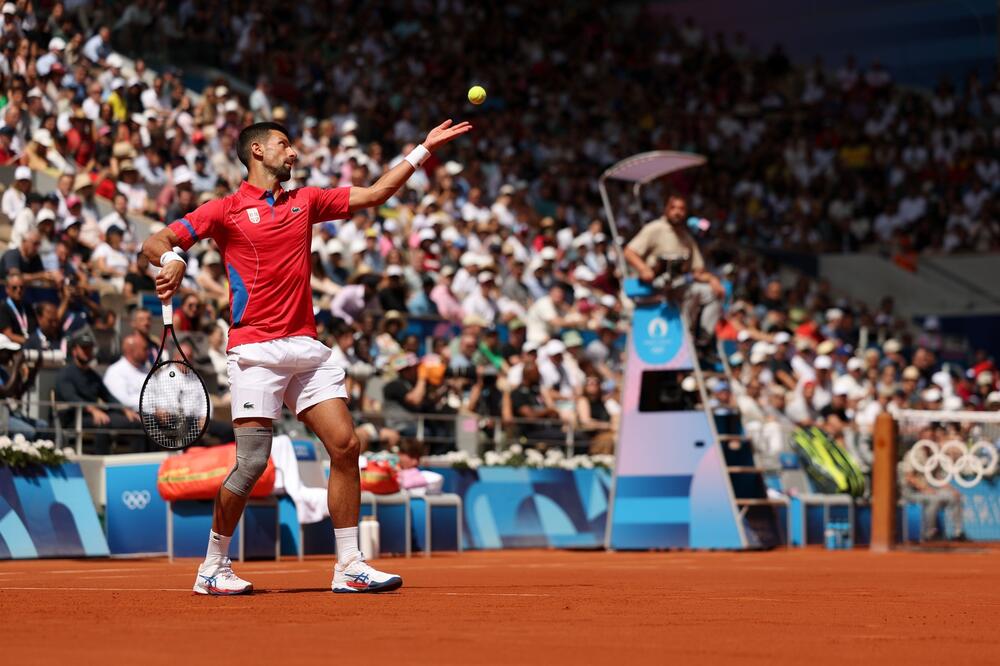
178	589
87	571
101	589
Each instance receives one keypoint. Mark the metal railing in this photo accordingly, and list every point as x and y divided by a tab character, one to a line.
485	432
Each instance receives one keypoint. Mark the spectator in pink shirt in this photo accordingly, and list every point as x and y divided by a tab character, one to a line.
448	306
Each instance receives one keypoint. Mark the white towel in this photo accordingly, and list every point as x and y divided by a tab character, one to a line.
310	503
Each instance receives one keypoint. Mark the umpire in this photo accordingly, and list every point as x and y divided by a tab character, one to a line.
665	251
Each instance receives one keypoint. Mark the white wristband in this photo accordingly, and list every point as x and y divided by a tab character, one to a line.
417	156
169	256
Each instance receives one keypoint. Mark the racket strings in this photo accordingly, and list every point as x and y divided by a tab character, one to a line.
173	405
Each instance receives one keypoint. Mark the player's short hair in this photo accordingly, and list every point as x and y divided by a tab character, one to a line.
257	132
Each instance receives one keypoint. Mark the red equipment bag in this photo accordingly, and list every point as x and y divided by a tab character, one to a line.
379	477
198	473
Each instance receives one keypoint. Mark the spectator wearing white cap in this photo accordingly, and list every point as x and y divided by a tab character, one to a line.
562	382
176	198
10	28
466	279
823	365
481	302
15	197
44	155
37	109
837	415
394	291
781	364
985	384
528	352
833	318
854	379
993	401
758	367
45	63
931	398
942	380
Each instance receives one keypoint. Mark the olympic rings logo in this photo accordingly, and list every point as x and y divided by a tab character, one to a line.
954	461
135	499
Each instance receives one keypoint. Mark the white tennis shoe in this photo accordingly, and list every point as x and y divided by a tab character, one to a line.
359	576
219	579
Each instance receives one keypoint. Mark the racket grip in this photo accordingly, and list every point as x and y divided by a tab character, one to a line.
168	313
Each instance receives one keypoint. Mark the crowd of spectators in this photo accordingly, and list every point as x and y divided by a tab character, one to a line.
495	252
826	157
801	358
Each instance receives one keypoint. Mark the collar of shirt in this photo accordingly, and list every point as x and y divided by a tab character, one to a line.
254	192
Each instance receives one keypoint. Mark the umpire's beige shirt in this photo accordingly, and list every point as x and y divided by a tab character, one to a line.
659	239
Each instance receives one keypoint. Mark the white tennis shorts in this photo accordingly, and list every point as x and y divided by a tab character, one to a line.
295	371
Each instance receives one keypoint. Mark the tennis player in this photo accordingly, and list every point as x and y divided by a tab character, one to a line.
264	234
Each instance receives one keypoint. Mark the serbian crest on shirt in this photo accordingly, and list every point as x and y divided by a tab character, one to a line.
253	215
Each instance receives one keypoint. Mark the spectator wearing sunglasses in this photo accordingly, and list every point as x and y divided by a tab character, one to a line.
17	320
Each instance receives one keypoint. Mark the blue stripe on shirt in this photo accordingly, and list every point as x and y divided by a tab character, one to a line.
190	227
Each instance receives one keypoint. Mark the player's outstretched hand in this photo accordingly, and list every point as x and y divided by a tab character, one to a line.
444	133
169	280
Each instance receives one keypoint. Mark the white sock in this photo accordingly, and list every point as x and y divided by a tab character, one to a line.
347	544
218	547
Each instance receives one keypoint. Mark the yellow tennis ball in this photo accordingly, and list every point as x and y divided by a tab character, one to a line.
477	94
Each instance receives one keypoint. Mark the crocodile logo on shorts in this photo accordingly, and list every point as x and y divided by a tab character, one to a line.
247	405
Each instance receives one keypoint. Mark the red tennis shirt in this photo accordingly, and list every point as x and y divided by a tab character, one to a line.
265	239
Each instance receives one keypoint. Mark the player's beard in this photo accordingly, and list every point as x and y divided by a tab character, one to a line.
282	172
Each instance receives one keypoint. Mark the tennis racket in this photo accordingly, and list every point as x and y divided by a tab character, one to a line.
173	404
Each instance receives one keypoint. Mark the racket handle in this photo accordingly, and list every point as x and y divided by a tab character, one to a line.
168	313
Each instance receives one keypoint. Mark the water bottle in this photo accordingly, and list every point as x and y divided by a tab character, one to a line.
830	537
845	536
369	538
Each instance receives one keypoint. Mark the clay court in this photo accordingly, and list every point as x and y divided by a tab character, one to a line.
518	607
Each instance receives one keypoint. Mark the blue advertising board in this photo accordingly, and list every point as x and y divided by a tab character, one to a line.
516	507
48	512
135	514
